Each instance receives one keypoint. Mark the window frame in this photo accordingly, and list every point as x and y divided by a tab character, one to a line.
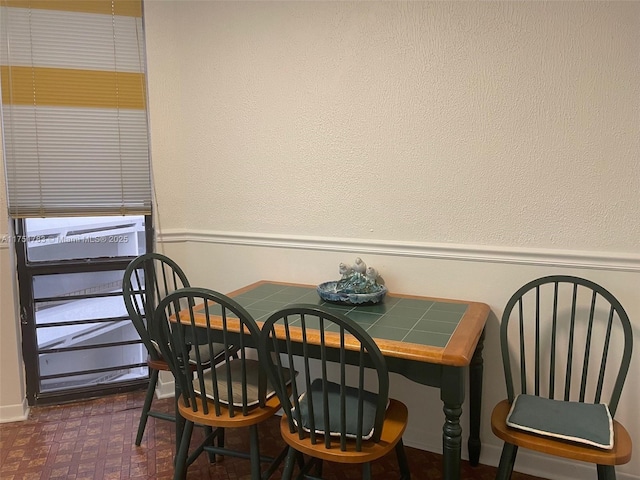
26	271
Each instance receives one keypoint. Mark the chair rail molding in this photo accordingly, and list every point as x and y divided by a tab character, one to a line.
626	262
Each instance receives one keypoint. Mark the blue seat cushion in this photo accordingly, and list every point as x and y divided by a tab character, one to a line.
351	405
586	423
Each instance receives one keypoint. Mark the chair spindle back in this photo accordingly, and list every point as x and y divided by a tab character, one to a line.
569	332
296	335
209	319
147	280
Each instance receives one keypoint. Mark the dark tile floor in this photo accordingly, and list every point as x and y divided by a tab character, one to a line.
95	440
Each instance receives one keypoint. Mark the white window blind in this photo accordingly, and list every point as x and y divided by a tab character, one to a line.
74	108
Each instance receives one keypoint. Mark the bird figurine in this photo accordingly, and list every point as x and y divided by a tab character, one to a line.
372	275
345	270
359	266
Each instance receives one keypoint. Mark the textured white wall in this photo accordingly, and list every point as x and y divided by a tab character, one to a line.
486	123
3	193
290	136
12	393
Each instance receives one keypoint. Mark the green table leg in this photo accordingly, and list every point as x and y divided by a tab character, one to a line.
475	402
452	394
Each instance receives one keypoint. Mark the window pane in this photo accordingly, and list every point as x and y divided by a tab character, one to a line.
84	341
116	363
73	284
84	335
84	237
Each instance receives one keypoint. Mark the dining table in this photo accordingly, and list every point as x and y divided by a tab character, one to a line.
436	342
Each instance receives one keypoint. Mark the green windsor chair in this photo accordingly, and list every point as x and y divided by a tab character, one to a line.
148	279
566	348
328	413
235	393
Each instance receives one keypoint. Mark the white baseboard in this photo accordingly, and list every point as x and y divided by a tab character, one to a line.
546	466
527	461
14	413
165	387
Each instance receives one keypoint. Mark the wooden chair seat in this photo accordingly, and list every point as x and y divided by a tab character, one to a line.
395	423
255	415
620	454
162	365
158	364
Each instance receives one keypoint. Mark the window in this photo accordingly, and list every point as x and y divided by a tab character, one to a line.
74	108
78	187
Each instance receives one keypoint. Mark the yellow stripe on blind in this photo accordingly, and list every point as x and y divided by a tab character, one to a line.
72	88
128	8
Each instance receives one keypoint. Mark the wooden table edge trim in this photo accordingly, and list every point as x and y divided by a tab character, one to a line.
459	351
